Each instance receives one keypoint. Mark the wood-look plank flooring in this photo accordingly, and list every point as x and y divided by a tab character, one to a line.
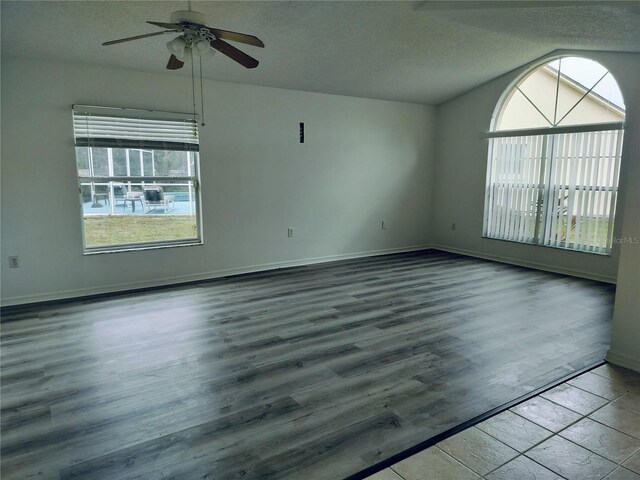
306	373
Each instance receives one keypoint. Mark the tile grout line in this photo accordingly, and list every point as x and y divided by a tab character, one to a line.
558	433
499	466
619	383
534	461
592	393
393	470
534	445
616	464
474	421
459	461
609	402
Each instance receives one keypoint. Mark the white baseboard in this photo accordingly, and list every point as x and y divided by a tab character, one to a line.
181	279
623	360
524	263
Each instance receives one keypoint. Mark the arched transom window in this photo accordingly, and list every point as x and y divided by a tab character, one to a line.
554	158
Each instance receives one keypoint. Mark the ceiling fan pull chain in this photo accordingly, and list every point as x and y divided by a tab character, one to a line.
193	86
201	93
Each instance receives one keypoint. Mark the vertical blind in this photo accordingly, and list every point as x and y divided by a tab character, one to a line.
558	190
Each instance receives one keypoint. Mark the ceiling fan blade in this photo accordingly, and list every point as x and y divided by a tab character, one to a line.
128	39
493	4
237	37
174	63
166	25
234	54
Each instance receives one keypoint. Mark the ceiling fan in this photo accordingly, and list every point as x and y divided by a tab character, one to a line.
196	38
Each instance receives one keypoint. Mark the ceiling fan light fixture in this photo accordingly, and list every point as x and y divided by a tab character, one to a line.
184	56
201	46
177	46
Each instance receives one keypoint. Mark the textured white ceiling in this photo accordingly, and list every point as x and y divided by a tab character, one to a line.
394	50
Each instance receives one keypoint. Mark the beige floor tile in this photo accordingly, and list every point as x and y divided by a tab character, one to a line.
522	468
599	385
605	441
514	430
620	414
433	464
622	474
386	474
575	399
546	413
630	401
478	450
624	375
570	460
633	463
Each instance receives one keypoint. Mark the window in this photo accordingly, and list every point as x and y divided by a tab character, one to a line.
554	158
138	177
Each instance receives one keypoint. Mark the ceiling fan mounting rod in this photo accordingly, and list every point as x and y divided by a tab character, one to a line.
191	25
189	17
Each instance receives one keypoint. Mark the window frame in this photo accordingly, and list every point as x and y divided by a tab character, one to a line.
545	184
110	181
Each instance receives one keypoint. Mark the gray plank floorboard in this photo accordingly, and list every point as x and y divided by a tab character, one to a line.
311	372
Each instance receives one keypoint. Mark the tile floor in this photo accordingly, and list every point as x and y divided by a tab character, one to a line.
587	428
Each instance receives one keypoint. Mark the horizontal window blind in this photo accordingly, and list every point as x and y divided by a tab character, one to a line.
558	190
121	128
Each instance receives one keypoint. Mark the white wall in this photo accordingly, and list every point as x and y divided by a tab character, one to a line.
625	337
461	157
461	160
363	161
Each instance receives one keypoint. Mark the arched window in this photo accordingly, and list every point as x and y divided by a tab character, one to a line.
554	158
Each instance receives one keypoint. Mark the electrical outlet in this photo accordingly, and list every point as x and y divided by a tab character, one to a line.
383	225
13	262
453	226
290	232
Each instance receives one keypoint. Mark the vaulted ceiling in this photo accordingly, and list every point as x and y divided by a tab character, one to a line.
395	50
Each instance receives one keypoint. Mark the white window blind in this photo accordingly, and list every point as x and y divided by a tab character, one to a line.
514	187
558	190
124	128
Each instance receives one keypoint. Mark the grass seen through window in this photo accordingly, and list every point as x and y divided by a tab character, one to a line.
104	230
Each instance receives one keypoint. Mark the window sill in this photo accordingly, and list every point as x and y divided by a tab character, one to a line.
566	249
133	248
